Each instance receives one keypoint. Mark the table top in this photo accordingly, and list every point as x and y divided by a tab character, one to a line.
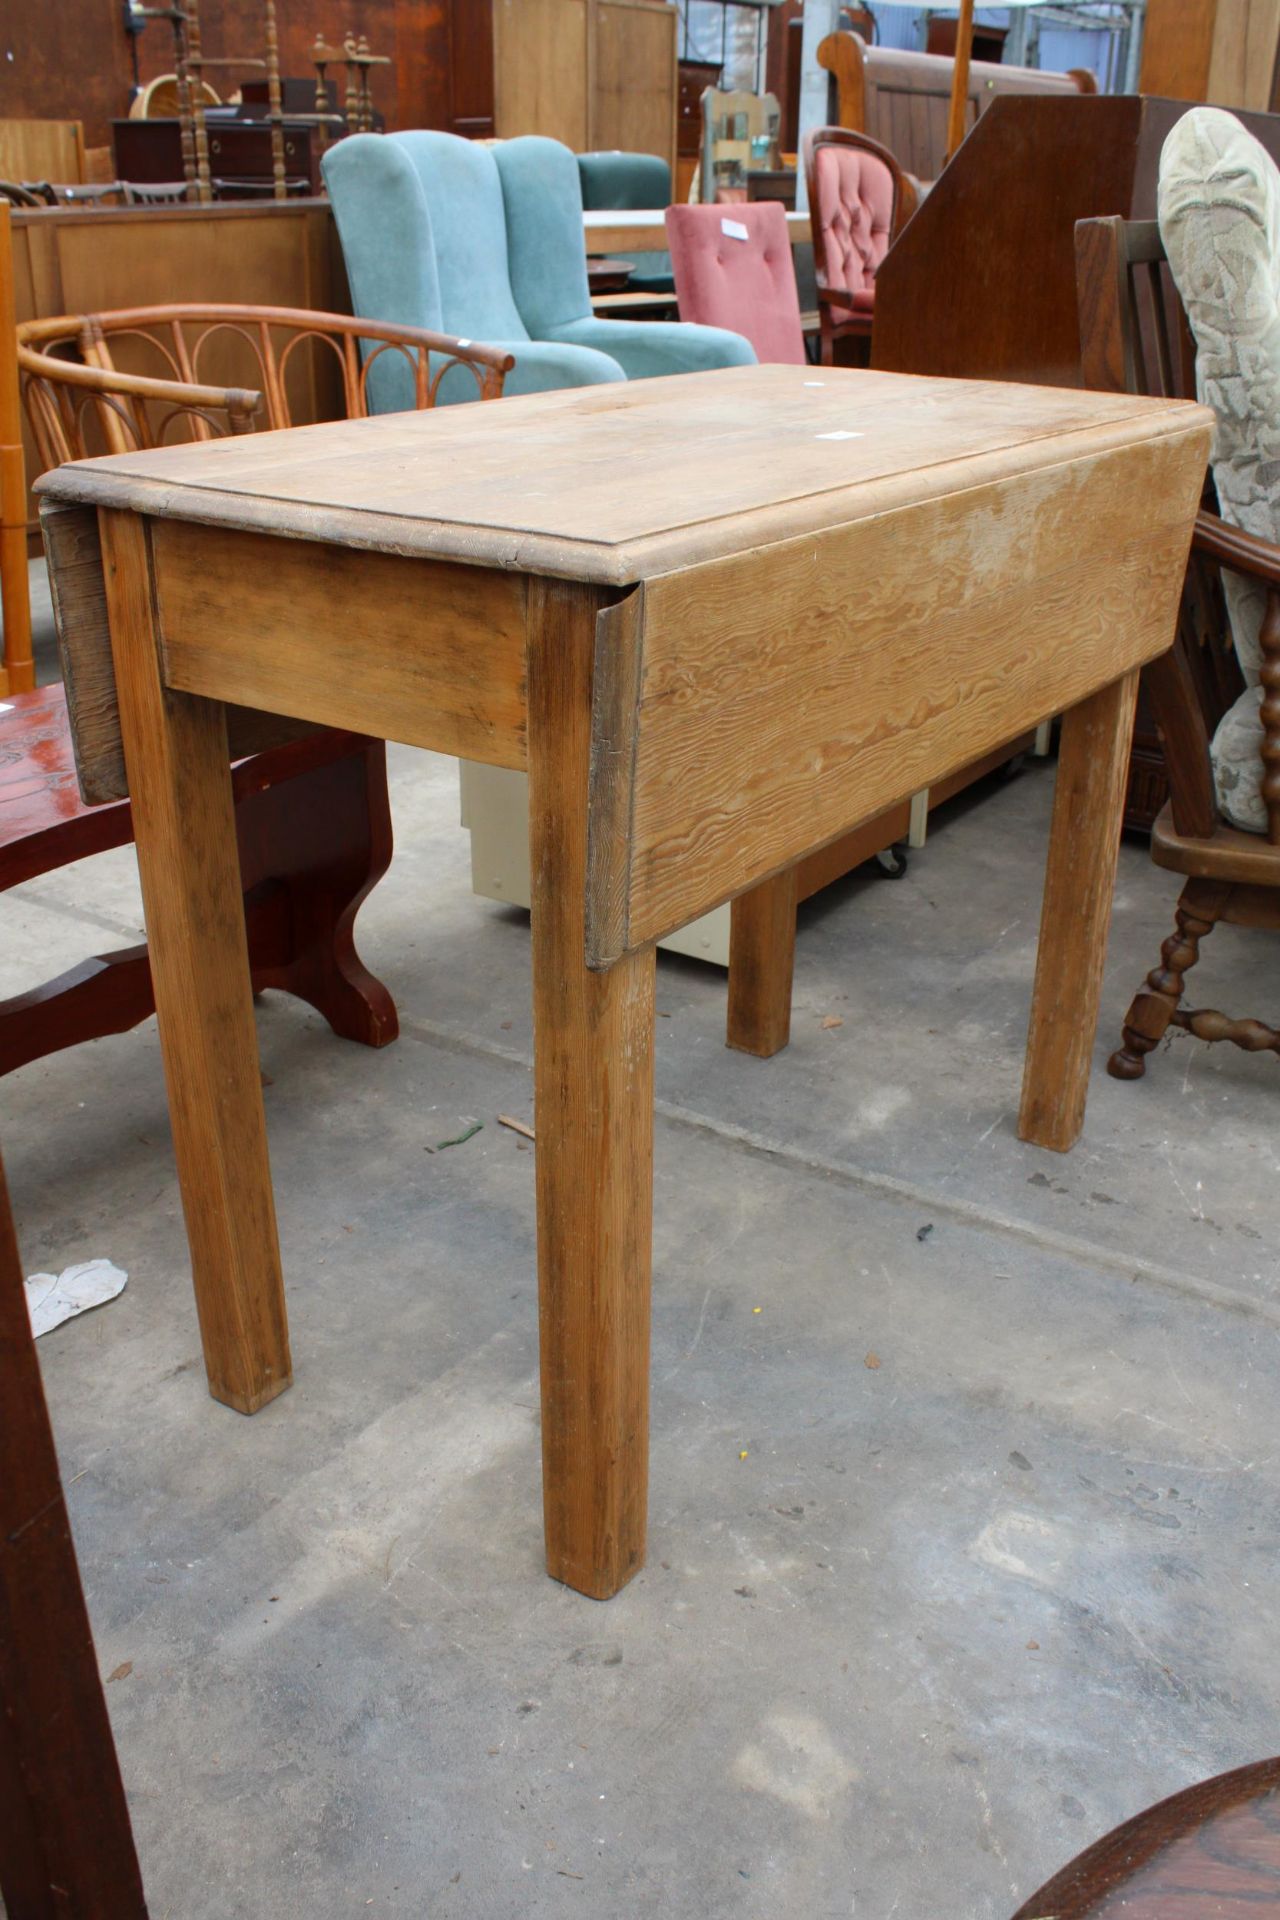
643	230
615	484
628	304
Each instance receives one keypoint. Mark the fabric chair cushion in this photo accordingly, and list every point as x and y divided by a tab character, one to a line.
422	223
542	203
630	182
855	212
374	188
468	222
486	243
1219	209
548	263
733	269
648	349
1236	756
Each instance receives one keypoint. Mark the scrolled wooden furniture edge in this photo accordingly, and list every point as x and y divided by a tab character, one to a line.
1112	1864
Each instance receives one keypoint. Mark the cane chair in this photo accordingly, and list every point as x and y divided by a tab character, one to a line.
84	392
1135	337
312	815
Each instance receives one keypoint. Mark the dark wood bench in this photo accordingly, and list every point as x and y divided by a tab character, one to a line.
902	99
314	831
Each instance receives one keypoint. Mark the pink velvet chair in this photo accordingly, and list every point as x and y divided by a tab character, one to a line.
858	198
734	263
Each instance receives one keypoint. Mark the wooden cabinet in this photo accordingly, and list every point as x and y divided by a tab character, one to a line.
593	73
695	76
240	156
632	91
1220	51
42	150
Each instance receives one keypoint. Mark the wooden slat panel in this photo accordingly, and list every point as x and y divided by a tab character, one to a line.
1177	46
1245	37
541	69
787	697
633	100
920	143
300	650
84	642
80	610
42	150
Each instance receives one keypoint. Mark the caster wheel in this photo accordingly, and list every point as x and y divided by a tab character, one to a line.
892	862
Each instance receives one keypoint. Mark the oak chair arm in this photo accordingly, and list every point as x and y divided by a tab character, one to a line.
1232	547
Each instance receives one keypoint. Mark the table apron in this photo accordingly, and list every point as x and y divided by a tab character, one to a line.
750	710
427	652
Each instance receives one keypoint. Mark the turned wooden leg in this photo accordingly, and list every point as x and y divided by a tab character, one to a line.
593	1092
1084	846
1147	1020
762	953
179	781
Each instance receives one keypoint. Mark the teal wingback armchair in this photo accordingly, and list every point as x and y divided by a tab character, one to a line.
486	242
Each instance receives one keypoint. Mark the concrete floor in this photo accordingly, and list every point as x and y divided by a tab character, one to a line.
953	1615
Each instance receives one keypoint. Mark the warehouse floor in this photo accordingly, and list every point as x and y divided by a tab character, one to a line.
965	1456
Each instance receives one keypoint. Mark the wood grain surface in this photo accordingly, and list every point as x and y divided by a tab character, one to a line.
762	953
177	757
431	656
787	695
1211	1852
74	551
593	1096
1084	846
583	484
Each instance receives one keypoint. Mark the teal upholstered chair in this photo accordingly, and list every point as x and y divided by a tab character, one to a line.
486	242
631	183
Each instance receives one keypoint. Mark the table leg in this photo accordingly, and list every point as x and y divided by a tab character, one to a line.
184	825
1088	808
762	952
593	1089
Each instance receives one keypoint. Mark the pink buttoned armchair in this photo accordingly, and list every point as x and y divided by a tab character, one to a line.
858	199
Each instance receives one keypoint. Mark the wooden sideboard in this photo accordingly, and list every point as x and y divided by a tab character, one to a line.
240	154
